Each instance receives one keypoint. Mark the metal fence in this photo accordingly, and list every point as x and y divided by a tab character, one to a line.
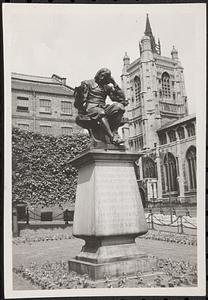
180	223
65	216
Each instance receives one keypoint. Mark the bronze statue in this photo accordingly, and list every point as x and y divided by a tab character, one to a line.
101	119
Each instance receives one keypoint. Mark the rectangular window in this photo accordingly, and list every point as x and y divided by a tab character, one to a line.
45	106
66	107
66	130
45	129
23	126
23	104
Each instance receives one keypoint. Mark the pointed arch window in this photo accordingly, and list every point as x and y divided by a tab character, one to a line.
191	160
137	88
170	171
166	85
149	168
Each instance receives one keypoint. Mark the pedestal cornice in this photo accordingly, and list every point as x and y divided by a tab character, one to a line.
95	155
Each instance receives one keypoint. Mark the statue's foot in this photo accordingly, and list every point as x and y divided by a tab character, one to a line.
117	140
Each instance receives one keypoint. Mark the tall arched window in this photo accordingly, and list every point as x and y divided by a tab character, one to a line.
137	88
148	168
166	85
171	173
191	159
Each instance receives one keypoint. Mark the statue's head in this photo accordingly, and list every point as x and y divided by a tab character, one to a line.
103	76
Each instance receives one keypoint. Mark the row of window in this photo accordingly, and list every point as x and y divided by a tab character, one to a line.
47	129
171	82
179	132
172	173
44	104
135	127
165	92
171	169
162	94
136	144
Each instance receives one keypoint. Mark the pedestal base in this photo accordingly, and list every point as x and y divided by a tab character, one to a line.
142	263
108	215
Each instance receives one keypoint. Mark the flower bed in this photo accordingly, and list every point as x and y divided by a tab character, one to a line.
29	236
171	237
43	235
57	276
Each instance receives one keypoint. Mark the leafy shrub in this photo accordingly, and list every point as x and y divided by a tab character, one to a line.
41	172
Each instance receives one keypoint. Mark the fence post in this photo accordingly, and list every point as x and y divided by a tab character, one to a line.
152	222
180	224
15	225
27	215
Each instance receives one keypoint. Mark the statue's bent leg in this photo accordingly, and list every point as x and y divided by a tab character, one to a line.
106	127
114	115
101	127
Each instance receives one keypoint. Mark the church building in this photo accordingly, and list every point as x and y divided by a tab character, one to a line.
159	124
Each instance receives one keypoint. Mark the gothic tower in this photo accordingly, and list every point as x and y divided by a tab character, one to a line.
154	86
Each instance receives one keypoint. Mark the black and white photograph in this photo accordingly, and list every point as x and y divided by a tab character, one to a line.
105	130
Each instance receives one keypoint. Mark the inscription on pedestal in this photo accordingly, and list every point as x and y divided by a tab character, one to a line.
117	200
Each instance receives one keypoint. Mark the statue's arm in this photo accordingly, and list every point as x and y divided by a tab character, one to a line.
116	94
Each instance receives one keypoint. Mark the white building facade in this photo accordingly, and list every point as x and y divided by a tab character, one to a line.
159	124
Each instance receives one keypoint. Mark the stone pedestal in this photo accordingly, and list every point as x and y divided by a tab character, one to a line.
108	215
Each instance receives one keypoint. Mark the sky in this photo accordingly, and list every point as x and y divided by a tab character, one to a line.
74	41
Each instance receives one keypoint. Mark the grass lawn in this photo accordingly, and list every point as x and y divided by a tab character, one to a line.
64	249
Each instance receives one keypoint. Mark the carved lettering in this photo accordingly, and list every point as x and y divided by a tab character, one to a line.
116	199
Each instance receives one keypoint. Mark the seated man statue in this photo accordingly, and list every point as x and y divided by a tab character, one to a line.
101	119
